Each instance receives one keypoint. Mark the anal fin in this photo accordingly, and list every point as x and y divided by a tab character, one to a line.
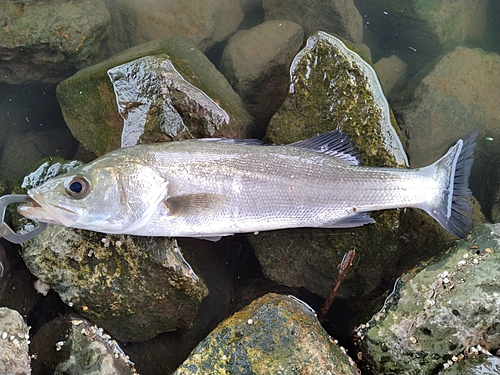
356	220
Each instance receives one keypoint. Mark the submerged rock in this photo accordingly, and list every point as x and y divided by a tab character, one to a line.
335	16
257	66
418	31
204	23
72	345
14	341
134	287
448	100
447	309
164	90
48	41
273	335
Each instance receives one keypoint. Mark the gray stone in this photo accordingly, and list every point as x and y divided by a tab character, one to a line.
333	16
170	89
14	341
273	335
440	311
134	287
204	23
49	40
71	345
452	98
391	72
256	65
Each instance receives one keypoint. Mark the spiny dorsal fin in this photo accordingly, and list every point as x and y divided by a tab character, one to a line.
334	143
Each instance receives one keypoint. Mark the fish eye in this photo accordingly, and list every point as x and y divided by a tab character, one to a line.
78	187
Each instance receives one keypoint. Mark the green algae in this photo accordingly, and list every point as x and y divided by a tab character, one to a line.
273	335
333	88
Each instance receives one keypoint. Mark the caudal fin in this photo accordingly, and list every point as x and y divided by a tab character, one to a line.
453	210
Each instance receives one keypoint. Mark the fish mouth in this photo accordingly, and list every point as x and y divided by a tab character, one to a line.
53	215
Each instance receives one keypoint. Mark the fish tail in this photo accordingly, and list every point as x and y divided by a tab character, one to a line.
452	209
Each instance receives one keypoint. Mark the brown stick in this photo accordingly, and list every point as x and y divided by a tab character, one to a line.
343	268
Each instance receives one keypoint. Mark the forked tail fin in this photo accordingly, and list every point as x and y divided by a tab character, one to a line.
453	210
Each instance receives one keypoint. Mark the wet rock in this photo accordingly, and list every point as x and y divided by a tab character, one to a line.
14	341
204	23
257	66
72	345
391	72
477	364
334	88
23	150
449	100
445	310
418	31
336	16
48	41
134	287
274	334
168	88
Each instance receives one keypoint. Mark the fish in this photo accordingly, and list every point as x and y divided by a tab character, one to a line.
210	188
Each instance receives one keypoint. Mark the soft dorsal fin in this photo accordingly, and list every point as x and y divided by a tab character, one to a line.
334	143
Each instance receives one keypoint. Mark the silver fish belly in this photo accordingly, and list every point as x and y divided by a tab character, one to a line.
215	188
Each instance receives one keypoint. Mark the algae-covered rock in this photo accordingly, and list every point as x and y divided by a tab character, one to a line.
170	89
443	311
335	16
48	41
332	87
449	99
71	345
473	364
134	287
14	340
273	335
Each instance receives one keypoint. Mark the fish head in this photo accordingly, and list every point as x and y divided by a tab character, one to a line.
106	195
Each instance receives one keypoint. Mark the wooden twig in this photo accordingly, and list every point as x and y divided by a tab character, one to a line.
343	268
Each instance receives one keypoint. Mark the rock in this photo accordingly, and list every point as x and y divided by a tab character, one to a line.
349	98
337	93
418	31
444	310
204	23
274	335
48	41
448	101
4	271
134	287
34	146
14	341
334	16
474	365
391	72
257	66
168	87
72	345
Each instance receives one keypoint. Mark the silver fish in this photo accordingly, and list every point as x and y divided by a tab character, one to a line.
208	188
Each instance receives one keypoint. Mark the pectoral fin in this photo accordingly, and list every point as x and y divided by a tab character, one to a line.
195	204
